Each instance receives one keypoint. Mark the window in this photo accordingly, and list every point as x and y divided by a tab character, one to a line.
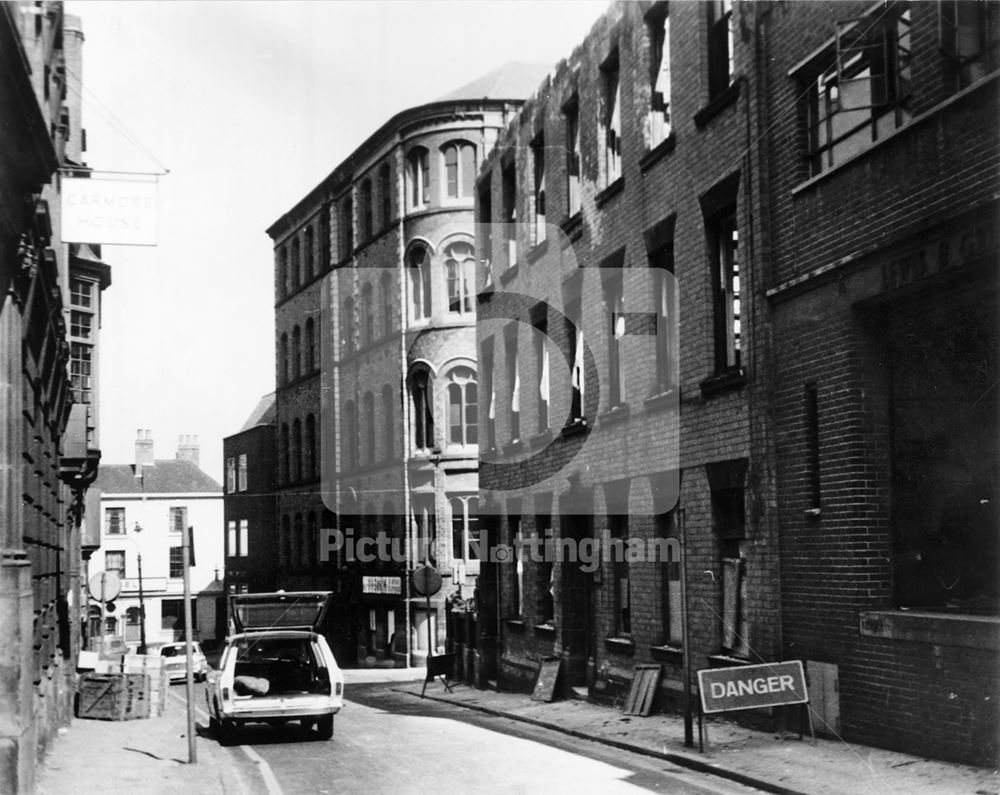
310	553
661	260
296	264
574	333
388	305
283	359
172	615
309	264
311	470
387	423
538	158
426	528
970	35
324	239
81	293
419	268
463	407
347	327
244	538
367	221
423	416
658	31
611	124
232	544
464	528
460	265
296	451
513	381
367	316
176	562
621	588
614	302
459	169
673	629
720	46
486	360
509	184
285	550
730	525
114	521
81	371
178	519
80	324
542	368
418	176
723	243
572	115
544	570
385	193
369	425
484	210
230	475
515	566
864	95
283	444
347	229
282	272
242	473
309	347
296	353
114	561
349	448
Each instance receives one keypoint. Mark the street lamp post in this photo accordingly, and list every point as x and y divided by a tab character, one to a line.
142	603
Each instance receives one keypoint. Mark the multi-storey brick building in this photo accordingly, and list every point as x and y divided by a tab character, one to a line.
376	398
882	274
625	192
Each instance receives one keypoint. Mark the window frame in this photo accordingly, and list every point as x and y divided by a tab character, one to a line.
723	228
611	119
466	408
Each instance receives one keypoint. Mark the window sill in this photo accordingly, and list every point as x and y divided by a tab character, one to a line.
508	275
727	381
540	439
574	428
658	152
725	661
924	626
615	414
610	192
661	400
537	252
667	654
547	630
512	447
573	226
620	646
717	105
515	625
812	513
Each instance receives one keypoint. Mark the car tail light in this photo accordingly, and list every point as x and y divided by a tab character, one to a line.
340	688
225	694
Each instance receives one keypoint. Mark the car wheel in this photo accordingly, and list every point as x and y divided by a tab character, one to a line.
213	726
308	723
227	733
325	727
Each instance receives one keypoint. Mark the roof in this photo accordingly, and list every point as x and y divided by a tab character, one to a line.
513	80
166	476
265	413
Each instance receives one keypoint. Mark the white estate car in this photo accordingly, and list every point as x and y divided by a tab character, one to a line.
175	661
277	667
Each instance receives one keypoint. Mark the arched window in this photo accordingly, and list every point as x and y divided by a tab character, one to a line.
369	426
309	254
309	349
296	451
459	169
420	283
385	193
283	442
282	272
296	263
423	414
460	264
366	210
418	177
312	539
296	353
324	239
387	422
297	542
463	407
347	327
388	305
367	316
283	360
285	550
349	442
346	229
310	448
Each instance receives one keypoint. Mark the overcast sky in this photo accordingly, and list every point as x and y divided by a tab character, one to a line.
249	105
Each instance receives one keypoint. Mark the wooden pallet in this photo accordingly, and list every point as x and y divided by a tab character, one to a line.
643	691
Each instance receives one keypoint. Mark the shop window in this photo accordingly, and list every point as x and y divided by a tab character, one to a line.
611	125
720	46
418	176
460	266
658	34
463	407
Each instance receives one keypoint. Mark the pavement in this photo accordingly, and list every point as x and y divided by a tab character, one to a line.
151	756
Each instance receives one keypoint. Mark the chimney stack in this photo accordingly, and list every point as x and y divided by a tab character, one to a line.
143	449
187	449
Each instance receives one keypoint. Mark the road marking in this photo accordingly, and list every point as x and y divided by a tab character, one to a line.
273	788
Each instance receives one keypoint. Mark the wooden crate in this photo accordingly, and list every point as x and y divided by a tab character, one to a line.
102	697
137	696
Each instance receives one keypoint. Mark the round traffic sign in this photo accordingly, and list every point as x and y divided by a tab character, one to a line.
105	586
425	581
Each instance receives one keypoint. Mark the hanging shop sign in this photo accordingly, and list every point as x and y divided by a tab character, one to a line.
109	211
752	686
382	585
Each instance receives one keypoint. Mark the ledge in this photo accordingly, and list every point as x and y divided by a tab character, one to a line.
618	413
514	446
620	646
717	105
658	152
537	251
667	654
540	439
574	428
723	382
941	629
725	661
660	400
610	192
573	226
508	275
515	625
545	631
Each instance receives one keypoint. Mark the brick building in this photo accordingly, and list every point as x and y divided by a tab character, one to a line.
882	276
625	190
249	503
376	378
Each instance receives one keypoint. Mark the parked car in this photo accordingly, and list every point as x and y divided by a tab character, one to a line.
277	667
175	661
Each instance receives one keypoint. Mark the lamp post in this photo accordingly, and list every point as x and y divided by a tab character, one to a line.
142	604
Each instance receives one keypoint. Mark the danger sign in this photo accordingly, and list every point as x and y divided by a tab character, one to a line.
751	686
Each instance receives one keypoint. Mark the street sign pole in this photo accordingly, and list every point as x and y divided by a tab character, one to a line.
189	650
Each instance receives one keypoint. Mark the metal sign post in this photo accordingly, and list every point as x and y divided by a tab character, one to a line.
188	647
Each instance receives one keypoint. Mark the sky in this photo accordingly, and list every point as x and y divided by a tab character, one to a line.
248	105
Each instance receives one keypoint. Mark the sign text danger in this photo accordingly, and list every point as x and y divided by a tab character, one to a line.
751	686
